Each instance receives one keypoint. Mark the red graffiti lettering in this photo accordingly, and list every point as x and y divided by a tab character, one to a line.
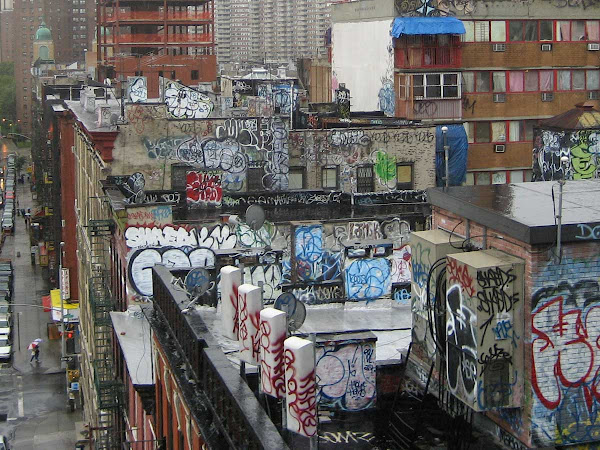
203	188
301	397
459	273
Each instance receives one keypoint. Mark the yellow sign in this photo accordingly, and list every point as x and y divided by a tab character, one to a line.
55	297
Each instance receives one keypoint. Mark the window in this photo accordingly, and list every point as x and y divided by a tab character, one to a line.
523	30
296	178
482	131
254	177
468	81
592	79
482	178
499	177
173	75
469	129
564	80
482	31
516	81
578	80
563	30
498	31
531	80
498	131
546	27
195	75
329	177
364	179
499	81
515	130
436	85
482	81
578	30
546	80
404	176
592	29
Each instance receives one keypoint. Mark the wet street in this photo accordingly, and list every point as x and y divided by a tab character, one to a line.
34	412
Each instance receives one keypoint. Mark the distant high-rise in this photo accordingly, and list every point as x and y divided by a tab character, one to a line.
270	31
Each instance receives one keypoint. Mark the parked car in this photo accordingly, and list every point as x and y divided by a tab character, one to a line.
4	307
5	324
3	443
7	226
5	348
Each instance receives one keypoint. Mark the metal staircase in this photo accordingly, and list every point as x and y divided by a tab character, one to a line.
108	387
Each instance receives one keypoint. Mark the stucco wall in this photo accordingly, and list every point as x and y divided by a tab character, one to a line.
363	59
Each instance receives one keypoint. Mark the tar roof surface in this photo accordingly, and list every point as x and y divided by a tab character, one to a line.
526	211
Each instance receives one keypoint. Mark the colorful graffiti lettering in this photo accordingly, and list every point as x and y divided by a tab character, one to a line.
368	279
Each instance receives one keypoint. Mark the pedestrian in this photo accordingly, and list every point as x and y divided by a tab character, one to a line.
35	354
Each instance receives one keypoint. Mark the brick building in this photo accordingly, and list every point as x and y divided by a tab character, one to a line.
515	64
516	324
6	31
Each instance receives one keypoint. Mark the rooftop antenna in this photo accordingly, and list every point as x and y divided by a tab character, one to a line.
196	283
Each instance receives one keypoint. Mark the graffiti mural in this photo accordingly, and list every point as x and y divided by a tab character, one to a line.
184	102
566	362
346	375
203	189
368	279
309	251
137	89
582	148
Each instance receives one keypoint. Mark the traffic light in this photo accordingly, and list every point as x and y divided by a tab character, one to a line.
70	340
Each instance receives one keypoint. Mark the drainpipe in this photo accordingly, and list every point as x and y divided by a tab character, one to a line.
446	149
563	161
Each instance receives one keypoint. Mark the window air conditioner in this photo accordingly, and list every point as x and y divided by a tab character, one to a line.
499	98
499	47
546	47
499	148
547	96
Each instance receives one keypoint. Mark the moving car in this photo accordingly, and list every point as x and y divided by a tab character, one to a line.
5	348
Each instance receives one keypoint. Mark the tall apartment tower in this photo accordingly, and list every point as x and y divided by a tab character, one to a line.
6	31
174	39
71	23
270	31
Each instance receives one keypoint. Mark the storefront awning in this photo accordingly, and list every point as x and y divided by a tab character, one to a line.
426	25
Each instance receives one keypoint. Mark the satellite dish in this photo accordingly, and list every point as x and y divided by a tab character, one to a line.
197	282
255	217
294	309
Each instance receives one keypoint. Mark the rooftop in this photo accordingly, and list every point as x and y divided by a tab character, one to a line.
525	211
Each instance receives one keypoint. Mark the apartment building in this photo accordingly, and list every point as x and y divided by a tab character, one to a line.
270	31
71	26
513	65
157	39
6	31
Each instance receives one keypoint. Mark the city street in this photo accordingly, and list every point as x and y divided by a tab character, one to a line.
32	395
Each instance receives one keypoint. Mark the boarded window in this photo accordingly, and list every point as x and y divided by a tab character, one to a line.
364	179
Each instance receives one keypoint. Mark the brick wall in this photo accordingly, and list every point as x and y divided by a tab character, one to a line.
562	328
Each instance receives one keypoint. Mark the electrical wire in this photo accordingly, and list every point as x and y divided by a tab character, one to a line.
451	234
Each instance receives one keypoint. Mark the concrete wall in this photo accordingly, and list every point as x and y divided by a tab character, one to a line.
561	359
363	59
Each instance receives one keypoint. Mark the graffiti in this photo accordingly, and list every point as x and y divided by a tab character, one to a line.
344	138
494	354
397	230
219	237
160	215
136	237
581	148
131	186
401	293
203	188
346	437
141	262
504	329
387	102
301	396
272	376
137	89
269	275
401	265
308	251
583	4
241	86
282	98
249	326
162	197
315	198
368	279
316	294
346	375
369	230
587	232
277	160
459	273
468	104
421	264
495	295
461	339
512	417
342	98
426	108
186	103
410	196
509	440
385	167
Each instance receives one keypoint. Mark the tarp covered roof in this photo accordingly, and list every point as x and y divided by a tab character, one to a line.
426	25
582	117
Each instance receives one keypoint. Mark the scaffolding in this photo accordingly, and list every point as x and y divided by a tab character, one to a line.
108	388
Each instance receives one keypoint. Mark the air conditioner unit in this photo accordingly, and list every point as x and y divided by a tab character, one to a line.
63	223
547	96
499	47
593	47
546	47
499	148
499	98
72	148
592	95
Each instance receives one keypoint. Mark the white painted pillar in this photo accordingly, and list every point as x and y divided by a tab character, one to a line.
301	402
249	306
231	279
273	332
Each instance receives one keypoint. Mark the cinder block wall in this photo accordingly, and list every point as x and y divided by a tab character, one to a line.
561	307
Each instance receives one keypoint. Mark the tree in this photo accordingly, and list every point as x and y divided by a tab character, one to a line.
8	101
19	163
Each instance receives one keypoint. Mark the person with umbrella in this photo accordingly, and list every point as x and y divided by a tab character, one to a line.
35	350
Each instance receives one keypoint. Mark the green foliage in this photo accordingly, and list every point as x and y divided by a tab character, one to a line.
8	103
385	167
19	163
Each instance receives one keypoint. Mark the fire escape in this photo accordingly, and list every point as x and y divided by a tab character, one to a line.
108	387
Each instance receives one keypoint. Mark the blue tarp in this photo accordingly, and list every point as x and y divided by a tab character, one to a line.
457	155
426	25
